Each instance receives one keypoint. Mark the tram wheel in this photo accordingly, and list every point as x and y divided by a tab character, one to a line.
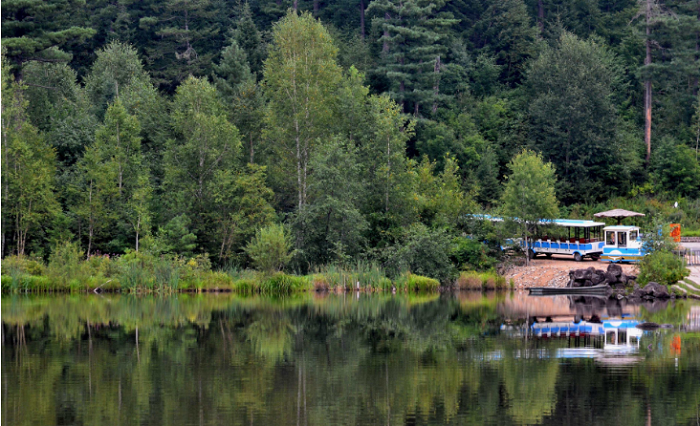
578	257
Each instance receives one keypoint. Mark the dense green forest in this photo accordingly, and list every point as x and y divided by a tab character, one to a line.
367	128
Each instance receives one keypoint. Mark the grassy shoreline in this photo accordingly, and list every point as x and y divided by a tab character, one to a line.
136	273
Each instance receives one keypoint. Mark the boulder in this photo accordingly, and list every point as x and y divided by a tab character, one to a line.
655	290
580	274
610	278
587	283
598	277
622	279
615	269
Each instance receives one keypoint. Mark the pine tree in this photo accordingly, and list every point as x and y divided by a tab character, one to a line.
506	32
185	31
34	30
242	94
414	47
249	39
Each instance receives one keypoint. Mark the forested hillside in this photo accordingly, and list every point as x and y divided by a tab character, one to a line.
368	128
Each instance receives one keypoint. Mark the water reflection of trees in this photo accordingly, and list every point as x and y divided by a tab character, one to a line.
311	360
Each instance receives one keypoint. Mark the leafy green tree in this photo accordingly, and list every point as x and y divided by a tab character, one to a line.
28	170
332	223
93	192
118	141
116	68
243	206
422	251
529	196
675	168
301	76
414	34
59	107
206	142
113	190
270	249
385	154
34	30
573	119
438	199
653	13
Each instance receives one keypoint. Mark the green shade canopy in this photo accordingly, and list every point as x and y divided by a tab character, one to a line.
618	214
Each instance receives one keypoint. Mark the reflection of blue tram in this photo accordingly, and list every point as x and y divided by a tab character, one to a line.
622	244
567	329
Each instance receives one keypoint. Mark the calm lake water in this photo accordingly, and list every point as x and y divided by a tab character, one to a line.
346	359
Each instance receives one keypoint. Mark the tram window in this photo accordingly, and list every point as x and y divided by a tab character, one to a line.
622	239
610	238
633	235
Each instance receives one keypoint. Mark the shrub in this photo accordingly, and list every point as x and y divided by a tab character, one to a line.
270	249
471	253
662	267
424	251
65	267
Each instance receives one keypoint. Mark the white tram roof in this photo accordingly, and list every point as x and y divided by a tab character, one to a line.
572	223
621	228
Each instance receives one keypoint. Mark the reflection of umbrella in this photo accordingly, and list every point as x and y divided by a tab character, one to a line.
618	214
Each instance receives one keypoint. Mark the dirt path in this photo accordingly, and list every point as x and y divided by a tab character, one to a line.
554	272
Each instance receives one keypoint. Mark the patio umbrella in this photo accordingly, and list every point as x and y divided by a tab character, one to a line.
618	214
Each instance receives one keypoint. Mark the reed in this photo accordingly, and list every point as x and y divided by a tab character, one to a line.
490	280
414	282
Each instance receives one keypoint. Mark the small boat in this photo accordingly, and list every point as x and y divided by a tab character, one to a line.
601	289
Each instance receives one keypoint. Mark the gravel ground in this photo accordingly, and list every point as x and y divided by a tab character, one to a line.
554	272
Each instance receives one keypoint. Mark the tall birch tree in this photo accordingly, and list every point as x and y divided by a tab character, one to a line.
300	77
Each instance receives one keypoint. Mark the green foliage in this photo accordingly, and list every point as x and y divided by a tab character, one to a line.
675	169
506	32
243	206
28	170
33	30
94	152
469	253
270	249
301	76
414	35
662	267
573	119
422	251
175	237
529	192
